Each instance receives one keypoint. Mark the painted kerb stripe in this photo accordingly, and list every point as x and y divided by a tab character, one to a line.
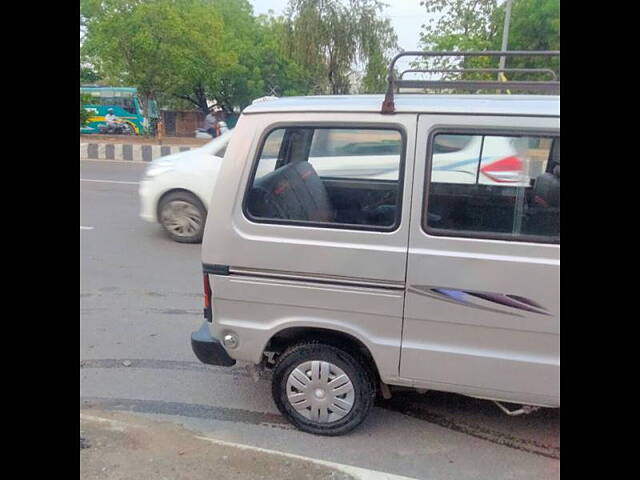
92	150
128	152
146	153
109	152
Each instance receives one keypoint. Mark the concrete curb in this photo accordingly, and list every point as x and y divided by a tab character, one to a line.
128	152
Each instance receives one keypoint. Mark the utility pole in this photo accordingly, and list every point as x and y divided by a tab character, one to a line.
505	34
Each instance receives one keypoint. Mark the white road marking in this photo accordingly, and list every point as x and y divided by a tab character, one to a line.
108	181
86	228
356	472
123	162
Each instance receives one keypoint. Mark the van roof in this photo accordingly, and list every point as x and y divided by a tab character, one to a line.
519	105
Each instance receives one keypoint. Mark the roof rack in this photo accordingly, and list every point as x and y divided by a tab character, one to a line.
546	86
483	70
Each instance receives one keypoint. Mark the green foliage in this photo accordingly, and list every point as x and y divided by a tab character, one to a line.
464	25
88	76
262	67
281	75
210	79
535	25
461	25
375	78
329	37
84	114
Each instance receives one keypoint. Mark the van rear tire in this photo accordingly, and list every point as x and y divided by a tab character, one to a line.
336	396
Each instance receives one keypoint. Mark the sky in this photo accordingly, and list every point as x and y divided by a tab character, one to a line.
407	17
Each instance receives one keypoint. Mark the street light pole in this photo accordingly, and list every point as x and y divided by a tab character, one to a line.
505	34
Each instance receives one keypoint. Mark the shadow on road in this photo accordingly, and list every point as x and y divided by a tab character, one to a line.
538	432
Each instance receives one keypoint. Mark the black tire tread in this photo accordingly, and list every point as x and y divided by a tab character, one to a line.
364	381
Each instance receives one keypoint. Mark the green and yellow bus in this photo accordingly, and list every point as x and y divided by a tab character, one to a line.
123	100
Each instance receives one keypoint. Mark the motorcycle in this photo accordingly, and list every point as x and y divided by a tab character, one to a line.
204	133
117	128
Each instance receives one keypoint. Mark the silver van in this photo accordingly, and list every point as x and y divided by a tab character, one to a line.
362	242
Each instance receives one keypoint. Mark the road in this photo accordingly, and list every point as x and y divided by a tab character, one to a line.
140	298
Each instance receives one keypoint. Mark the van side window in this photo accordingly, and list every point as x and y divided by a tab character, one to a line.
330	147
331	177
503	187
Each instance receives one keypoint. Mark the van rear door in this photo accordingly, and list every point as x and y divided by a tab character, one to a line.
482	310
318	232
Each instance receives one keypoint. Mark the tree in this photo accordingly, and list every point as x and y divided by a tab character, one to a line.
458	25
279	74
330	37
84	114
465	25
261	67
153	45
88	75
535	25
375	77
203	82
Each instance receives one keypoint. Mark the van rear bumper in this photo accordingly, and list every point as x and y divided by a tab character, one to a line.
208	349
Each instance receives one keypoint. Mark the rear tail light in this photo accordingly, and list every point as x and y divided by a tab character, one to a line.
505	170
207	297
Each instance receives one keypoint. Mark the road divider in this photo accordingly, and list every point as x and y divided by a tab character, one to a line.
140	153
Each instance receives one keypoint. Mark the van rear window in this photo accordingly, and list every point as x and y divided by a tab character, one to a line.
494	186
331	177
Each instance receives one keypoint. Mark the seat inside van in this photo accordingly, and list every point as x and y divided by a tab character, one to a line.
296	192
292	192
543	210
318	175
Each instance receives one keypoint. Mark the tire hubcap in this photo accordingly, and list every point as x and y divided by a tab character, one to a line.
320	391
181	218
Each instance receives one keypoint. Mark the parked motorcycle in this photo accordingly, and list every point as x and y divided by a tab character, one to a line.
118	128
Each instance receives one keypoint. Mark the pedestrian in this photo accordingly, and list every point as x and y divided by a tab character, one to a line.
210	124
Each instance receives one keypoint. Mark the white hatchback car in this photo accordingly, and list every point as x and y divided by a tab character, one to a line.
176	189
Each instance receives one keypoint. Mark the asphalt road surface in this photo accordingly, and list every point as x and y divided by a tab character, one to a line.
140	299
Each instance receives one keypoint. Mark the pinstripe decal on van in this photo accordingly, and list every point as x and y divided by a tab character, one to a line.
311	277
468	299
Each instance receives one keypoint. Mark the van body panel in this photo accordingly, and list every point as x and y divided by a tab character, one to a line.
342	279
462	328
257	308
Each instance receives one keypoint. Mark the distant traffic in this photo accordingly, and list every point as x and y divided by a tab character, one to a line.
115	110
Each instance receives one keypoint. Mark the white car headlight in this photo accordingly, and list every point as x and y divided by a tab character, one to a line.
158	169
